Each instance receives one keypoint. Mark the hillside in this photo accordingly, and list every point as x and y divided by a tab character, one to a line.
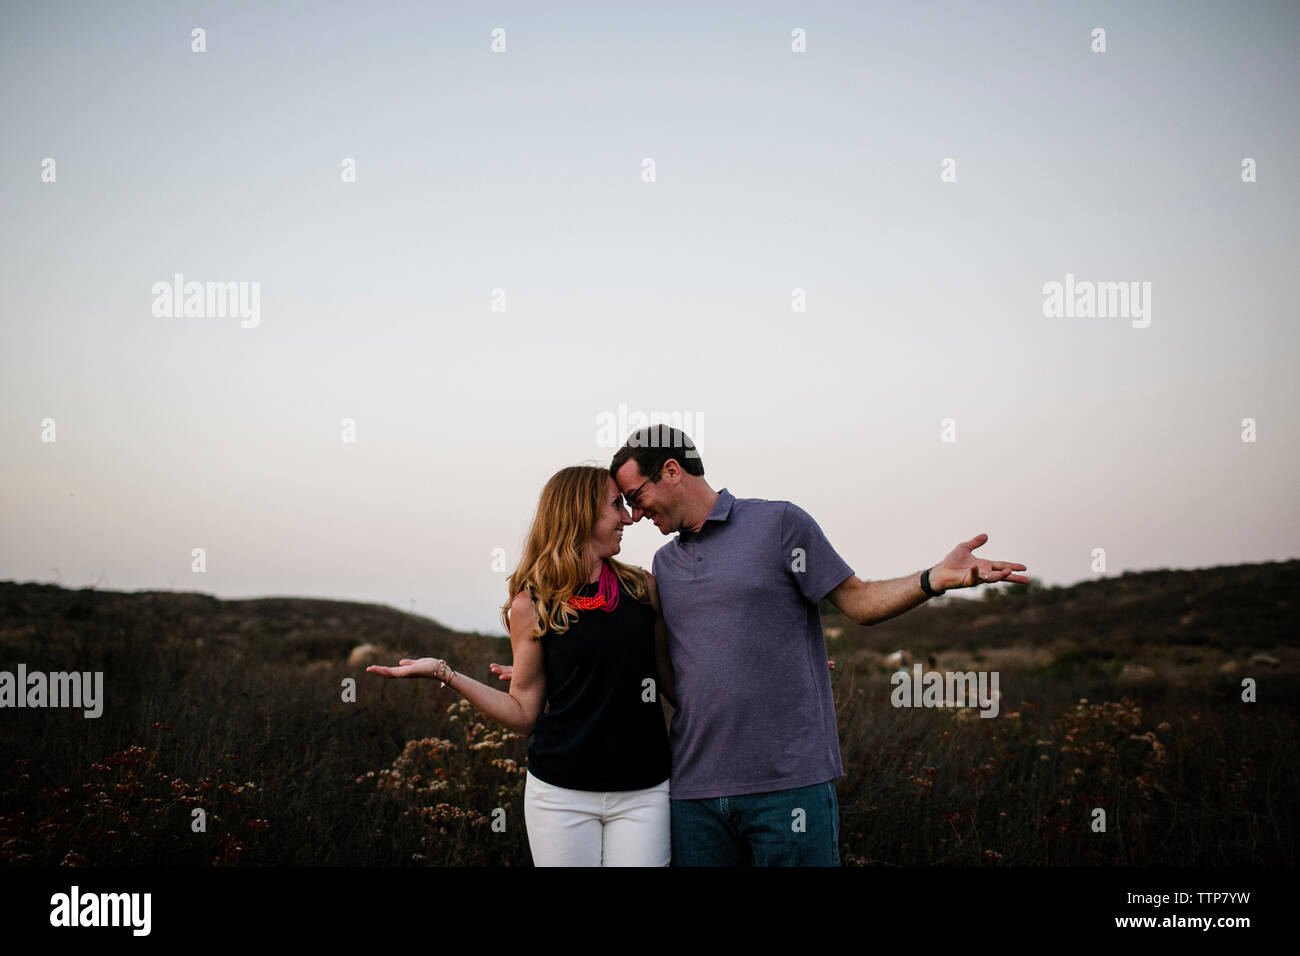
1208	617
39	617
1227	611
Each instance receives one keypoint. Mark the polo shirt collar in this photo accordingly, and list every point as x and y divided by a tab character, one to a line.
721	509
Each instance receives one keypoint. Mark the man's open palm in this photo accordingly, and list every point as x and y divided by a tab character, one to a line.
961	569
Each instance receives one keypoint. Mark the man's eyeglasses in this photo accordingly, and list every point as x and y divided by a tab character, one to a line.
633	498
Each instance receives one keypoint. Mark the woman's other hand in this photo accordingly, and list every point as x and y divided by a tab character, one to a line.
503	671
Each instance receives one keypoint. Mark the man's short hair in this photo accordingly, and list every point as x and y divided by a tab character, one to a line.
650	447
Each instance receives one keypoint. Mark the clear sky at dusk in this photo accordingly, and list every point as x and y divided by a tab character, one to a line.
816	258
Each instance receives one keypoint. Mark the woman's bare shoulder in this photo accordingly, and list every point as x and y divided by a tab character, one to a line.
523	607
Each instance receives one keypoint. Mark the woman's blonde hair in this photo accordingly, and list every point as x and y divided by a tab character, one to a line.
554	564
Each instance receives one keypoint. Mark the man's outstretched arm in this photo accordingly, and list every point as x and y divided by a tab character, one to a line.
870	602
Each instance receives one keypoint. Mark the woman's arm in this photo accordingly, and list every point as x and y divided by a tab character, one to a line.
517	710
663	663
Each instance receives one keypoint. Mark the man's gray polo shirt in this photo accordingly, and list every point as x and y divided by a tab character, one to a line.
739	596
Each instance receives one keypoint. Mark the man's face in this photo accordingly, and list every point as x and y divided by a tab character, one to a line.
655	500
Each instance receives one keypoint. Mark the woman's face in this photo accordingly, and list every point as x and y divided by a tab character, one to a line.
607	535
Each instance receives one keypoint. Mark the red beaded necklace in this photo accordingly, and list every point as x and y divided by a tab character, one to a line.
606	596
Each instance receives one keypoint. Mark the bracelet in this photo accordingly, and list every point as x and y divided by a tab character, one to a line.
925	584
443	682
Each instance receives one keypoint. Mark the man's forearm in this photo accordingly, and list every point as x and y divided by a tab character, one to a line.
881	600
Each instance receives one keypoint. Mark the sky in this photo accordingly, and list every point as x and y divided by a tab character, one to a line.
823	234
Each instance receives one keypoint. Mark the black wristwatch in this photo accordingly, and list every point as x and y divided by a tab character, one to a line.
925	584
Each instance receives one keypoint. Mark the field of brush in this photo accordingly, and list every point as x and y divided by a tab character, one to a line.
1121	695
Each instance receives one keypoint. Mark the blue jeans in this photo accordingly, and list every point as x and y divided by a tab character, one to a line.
799	827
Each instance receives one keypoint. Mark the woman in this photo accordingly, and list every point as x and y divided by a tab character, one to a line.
590	661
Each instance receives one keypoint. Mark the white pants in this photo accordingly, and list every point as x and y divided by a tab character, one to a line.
593	828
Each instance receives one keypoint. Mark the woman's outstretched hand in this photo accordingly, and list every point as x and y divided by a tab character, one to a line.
424	667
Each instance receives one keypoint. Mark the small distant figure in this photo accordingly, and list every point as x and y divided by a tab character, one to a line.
363	654
898	661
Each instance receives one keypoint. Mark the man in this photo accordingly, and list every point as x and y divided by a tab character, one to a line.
755	746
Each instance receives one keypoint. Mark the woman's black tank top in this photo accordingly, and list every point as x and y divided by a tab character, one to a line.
599	731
